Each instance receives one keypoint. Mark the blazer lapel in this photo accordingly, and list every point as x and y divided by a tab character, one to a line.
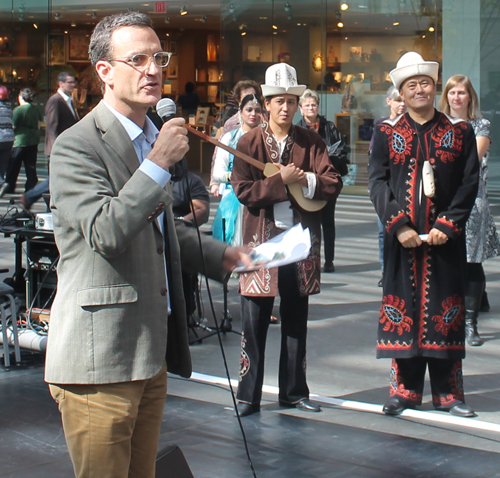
114	134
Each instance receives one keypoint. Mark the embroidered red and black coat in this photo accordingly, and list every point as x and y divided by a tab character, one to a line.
422	312
258	194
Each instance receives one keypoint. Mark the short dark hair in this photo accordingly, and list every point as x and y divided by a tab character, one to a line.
27	94
100	42
63	76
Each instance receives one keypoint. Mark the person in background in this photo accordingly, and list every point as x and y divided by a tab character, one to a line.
337	152
301	158
396	107
189	100
228	218
423	178
118	320
60	114
26	120
241	89
459	99
181	208
6	136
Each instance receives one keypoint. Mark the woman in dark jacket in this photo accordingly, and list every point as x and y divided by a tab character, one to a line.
337	151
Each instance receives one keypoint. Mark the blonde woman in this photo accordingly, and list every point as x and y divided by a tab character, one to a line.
459	100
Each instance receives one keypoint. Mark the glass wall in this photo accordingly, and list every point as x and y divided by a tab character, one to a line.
343	49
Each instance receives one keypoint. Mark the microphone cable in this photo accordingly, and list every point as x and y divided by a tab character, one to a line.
217	328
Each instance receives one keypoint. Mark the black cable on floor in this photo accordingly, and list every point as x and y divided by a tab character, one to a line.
217	328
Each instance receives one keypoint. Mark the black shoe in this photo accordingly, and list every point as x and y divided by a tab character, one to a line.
485	304
328	267
305	405
394	406
245	409
462	410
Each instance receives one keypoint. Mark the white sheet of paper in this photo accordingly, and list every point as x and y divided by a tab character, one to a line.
423	237
290	246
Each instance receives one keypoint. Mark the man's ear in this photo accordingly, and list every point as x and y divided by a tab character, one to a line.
105	72
267	104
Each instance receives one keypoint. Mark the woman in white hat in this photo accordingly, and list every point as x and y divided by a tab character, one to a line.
459	99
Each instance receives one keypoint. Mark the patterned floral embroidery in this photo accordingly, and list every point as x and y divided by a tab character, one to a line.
456	382
244	359
401	145
392	314
448	141
398	388
272	147
451	315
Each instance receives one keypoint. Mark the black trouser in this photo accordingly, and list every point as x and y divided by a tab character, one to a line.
28	156
407	381
5	153
328	224
255	315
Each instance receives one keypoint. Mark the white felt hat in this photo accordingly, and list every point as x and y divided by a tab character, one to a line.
412	64
281	79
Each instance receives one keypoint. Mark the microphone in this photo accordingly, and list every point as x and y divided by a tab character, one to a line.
167	110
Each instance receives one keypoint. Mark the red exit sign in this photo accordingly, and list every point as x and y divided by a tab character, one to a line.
160	7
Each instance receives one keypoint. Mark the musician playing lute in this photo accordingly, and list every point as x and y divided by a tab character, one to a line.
300	160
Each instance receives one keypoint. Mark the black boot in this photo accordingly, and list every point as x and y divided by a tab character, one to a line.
472	303
485	304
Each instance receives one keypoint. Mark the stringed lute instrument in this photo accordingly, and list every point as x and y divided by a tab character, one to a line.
268	169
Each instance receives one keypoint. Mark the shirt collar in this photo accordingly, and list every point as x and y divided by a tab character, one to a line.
133	130
64	95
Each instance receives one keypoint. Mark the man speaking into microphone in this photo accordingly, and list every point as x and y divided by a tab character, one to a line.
118	319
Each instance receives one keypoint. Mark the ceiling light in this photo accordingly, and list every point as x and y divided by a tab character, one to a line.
395	24
344	6
73	23
243	34
431	29
183	11
423	36
340	25
275	27
35	26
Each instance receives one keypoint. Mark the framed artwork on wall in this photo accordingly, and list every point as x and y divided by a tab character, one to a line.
56	51
172	47
78	49
172	68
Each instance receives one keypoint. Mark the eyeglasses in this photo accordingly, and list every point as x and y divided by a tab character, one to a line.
141	60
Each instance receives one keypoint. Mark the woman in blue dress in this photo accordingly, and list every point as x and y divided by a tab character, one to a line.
227	222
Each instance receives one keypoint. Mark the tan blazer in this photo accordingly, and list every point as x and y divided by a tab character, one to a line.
109	318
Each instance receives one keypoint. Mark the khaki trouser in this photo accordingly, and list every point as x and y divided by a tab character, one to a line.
112	430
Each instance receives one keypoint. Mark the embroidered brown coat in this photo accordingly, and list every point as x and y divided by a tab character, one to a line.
258	194
422	312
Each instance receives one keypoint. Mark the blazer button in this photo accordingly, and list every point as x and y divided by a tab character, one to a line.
150	218
164	292
161	205
160	250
